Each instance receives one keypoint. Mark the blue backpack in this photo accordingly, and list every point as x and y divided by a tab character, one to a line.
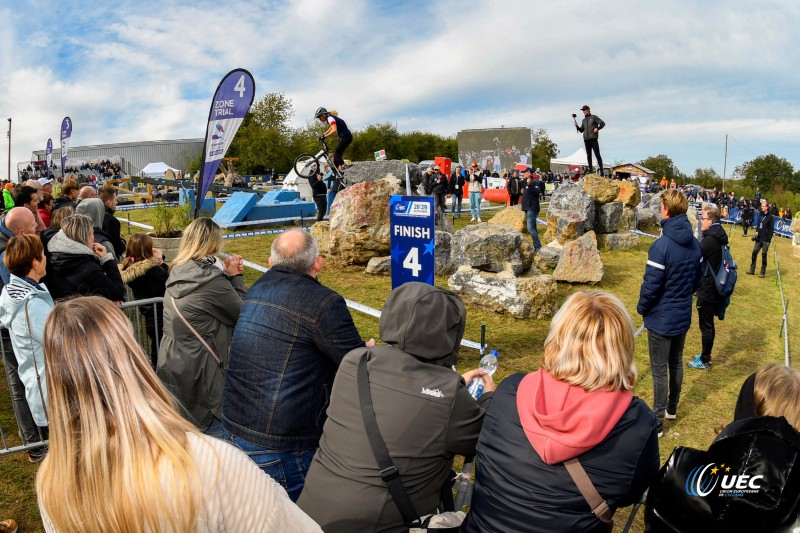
724	279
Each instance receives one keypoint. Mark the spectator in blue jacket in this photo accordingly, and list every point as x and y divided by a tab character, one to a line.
532	190
671	276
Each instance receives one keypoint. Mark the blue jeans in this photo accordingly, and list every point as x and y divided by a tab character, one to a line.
666	357
530	216
475	204
331	196
456	198
289	468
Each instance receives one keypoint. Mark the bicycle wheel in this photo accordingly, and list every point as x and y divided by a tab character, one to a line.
306	165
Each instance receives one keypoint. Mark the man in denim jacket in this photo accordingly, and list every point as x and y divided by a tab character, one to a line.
291	336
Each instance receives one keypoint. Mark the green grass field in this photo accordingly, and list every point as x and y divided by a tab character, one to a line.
749	337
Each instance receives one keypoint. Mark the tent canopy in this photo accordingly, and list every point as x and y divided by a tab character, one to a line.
157	169
577	159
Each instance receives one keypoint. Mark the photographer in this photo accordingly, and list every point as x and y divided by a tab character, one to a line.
590	127
475	189
762	238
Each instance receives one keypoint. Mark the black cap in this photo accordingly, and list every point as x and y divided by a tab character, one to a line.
584	108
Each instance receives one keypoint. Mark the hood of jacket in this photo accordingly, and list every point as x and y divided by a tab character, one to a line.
563	421
186	278
94	208
137	269
425	321
718	232
678	228
61	244
15	295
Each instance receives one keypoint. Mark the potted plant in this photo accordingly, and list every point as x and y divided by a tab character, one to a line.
168	223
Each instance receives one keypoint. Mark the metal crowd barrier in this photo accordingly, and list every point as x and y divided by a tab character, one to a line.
784	306
22	416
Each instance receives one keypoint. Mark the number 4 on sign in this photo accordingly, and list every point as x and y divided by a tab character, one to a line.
411	262
240	88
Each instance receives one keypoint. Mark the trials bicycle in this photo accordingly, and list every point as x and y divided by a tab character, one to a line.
307	165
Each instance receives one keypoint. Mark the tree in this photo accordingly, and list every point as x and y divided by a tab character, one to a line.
769	172
264	138
662	165
707	177
543	149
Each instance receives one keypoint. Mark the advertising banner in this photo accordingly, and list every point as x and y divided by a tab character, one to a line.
231	102
49	156
412	239
66	133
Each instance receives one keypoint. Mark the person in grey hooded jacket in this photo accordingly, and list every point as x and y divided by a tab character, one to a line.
201	307
423	410
95	209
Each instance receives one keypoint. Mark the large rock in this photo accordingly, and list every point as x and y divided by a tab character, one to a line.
624	240
548	256
513	217
322	232
628	218
629	193
359	228
608	217
491	248
602	190
532	296
379	265
580	261
361	171
442	253
646	221
570	215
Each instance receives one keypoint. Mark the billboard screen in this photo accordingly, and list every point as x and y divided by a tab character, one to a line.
497	149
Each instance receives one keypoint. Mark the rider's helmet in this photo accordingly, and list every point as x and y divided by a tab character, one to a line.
320	111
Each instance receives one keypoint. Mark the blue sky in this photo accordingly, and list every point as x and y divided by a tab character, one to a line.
672	77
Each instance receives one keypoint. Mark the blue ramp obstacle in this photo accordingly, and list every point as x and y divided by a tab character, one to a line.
236	208
277	205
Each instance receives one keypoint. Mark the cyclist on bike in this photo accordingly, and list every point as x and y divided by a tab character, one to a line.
335	126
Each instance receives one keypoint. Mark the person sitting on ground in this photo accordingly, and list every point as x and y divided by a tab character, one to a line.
749	479
24	307
144	271
423	427
107	407
201	306
95	209
110	223
69	193
78	265
576	411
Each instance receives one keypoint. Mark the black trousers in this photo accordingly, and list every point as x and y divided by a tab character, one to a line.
591	145
764	247
514	199
338	154
322	205
705	316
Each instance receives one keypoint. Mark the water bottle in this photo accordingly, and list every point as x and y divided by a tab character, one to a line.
488	364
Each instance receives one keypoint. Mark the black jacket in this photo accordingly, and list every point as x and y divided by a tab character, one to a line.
113	230
531	192
514	185
440	184
515	490
63	201
456	184
761	446
318	186
589	123
73	269
766	227
713	240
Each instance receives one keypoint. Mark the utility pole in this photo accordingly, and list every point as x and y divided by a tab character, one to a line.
9	150
725	163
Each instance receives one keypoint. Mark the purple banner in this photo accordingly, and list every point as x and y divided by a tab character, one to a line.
49	156
66	133
230	105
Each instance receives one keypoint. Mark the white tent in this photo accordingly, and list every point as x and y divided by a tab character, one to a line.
157	170
560	165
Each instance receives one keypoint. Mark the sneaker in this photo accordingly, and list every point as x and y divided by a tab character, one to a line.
8	526
472	219
671	416
479	219
760	275
660	431
751	272
698	365
36	456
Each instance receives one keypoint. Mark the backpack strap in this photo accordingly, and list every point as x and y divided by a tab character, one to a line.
596	502
196	334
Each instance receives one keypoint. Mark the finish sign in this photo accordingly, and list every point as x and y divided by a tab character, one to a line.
412	238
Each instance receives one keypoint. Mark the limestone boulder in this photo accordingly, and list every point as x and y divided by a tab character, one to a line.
624	240
629	193
628	218
547	257
361	171
531	296
601	189
322	232
442	253
513	217
570	215
608	217
580	261
359	228
491	248
646	221
379	265
444	224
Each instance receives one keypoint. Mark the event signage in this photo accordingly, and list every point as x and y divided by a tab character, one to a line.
231	103
49	156
781	225
380	155
411	221
66	133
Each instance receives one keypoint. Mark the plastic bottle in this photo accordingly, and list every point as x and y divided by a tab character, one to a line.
488	364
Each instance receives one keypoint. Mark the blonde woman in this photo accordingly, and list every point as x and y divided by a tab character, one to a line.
121	457
201	305
578	405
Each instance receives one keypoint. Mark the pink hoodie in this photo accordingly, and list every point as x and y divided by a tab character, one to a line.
562	421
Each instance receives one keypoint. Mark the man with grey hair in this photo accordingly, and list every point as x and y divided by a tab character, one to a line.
291	335
708	299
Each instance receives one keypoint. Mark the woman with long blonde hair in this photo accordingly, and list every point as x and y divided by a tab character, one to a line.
121	457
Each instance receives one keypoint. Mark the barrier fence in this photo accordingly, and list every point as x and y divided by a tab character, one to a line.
785	306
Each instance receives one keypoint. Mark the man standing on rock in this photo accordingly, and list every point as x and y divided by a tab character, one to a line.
671	276
590	127
531	192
